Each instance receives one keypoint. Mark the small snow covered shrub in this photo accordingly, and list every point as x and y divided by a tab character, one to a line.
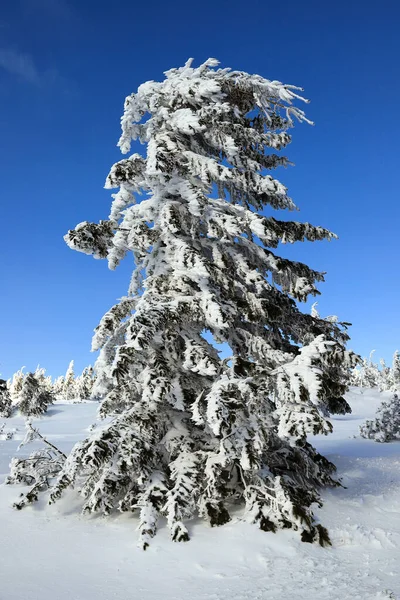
33	399
6	433
5	400
386	425
37	470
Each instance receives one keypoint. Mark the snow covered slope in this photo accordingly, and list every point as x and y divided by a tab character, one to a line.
54	553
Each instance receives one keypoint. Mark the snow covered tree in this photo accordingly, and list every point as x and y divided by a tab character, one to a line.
369	374
84	384
40	375
395	372
5	400
68	391
386	425
15	385
192	432
58	386
33	399
356	377
384	376
44	380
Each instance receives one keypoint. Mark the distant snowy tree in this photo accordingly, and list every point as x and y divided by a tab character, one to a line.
48	384
395	372
356	377
33	399
193	433
386	425
44	380
68	391
58	386
15	385
5	400
370	376
84	384
40	375
384	376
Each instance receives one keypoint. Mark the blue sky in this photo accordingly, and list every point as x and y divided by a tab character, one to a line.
65	69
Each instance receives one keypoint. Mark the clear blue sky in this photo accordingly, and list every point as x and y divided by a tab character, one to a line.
65	69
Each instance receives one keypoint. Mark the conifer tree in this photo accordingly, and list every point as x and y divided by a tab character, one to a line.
44	380
386	425
5	400
84	384
192	432
15	385
395	372
68	390
370	372
33	399
356	377
58	386
368	375
384	376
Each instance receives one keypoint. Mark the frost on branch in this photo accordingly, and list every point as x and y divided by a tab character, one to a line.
91	238
189	432
386	425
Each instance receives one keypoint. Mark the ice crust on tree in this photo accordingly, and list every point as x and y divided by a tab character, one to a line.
193	433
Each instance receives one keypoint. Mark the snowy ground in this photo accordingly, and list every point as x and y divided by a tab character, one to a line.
53	553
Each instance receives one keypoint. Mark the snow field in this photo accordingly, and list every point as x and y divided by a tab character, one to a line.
54	553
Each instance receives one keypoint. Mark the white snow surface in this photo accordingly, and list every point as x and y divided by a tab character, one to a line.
55	553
